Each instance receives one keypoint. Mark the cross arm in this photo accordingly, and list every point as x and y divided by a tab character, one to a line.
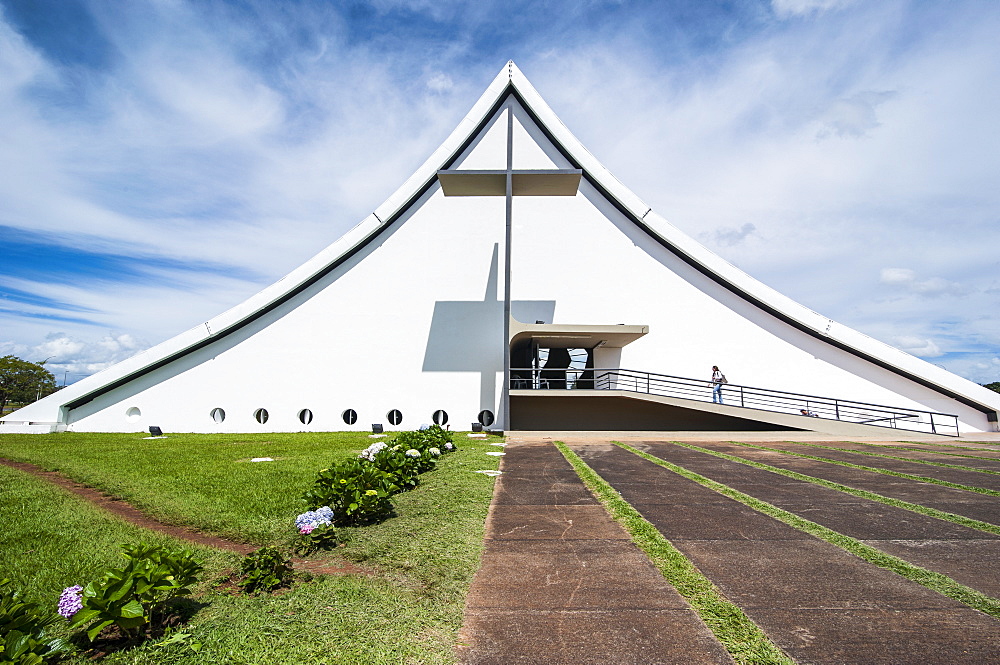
525	182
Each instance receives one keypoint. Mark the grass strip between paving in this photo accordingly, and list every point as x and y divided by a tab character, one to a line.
864	494
903	459
875	469
934	581
744	640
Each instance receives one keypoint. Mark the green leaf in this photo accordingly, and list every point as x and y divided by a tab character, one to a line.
132	610
97	628
84	616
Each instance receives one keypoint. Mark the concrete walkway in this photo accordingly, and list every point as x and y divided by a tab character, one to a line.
814	600
562	583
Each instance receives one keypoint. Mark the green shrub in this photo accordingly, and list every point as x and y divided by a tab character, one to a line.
265	570
24	631
322	537
405	471
423	440
408	440
129	597
355	490
438	437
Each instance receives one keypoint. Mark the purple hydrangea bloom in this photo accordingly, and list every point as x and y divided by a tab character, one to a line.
71	601
314	518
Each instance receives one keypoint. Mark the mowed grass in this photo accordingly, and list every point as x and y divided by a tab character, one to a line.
407	608
204	481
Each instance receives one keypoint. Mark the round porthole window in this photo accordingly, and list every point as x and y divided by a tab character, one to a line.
218	415
440	417
133	415
394	417
260	415
305	416
485	417
350	416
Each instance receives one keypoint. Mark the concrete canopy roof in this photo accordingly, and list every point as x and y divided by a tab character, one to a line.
568	336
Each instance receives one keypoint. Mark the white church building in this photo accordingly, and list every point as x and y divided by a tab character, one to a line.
514	282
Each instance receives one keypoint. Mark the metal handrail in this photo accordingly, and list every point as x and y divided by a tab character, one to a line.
763	399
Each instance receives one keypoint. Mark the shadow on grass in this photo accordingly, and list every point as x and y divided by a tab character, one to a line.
167	622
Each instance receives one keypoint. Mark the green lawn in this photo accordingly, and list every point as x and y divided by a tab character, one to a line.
408	610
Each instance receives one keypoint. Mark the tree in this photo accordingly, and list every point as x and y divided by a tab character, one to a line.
23	381
995	386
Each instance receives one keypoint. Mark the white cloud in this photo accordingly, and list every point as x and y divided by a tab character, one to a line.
729	237
440	82
922	348
788	8
934	287
855	116
70	358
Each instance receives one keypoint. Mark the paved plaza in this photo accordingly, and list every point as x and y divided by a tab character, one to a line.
561	581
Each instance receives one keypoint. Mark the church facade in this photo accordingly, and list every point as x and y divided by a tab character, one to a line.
514	282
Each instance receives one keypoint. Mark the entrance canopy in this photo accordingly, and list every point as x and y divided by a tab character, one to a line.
570	336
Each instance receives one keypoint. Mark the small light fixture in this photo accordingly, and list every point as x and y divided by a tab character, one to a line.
155	431
477	427
377	428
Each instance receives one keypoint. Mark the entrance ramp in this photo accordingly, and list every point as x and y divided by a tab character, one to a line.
607	399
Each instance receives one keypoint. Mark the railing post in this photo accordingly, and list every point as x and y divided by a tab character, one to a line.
836	408
741	395
647	383
933	429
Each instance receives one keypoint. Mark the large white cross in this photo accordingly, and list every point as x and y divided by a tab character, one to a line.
510	183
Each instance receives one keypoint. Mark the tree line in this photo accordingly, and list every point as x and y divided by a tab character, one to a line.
23	381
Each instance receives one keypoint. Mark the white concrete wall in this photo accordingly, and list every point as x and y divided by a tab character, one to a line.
414	324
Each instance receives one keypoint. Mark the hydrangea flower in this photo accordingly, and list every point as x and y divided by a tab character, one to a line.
434	451
71	601
413	452
449	446
309	520
371	451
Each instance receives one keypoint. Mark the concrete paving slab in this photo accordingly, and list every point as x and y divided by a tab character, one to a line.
913	637
869	519
740	524
804	574
534	522
528	491
587	637
578	574
563	584
969	562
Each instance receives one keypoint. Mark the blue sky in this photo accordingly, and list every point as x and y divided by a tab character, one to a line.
165	159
